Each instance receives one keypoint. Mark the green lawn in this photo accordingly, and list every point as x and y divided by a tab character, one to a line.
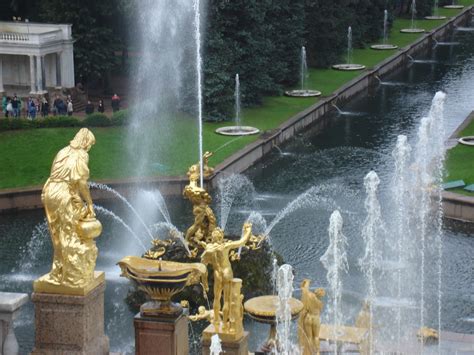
460	162
27	154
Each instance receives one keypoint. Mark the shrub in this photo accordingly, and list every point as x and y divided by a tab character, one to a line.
97	120
121	118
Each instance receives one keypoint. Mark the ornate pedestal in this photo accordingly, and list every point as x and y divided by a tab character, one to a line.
230	347
161	336
72	325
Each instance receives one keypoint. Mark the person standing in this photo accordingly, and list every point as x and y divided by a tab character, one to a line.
44	107
70	108
9	108
16	105
89	108
101	107
31	109
115	103
4	105
56	105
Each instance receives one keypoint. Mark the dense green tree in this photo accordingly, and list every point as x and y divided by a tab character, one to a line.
260	40
93	31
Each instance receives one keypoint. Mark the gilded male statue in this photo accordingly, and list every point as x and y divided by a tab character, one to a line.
309	323
70	214
216	253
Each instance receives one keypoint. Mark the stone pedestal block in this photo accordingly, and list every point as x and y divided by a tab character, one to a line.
161	336
239	347
72	325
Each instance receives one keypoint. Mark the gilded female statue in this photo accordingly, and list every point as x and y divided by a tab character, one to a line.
70	215
309	323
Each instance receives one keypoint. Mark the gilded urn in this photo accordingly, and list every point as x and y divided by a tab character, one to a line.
161	280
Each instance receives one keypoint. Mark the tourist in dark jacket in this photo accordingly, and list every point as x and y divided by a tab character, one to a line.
115	103
89	108
101	107
44	107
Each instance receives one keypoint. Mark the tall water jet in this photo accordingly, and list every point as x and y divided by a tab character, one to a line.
335	262
429	164
401	155
304	92
238	129
283	312
197	36
164	85
238	122
348	66
435	15
412	28
384	45
304	67
370	232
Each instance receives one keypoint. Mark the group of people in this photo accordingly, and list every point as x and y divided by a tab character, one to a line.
12	106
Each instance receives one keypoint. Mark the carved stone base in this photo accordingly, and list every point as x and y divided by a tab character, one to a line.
42	285
72	325
238	347
161	336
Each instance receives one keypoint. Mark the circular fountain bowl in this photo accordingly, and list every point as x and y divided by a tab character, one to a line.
263	308
435	17
303	93
383	47
237	130
412	30
348	67
453	6
468	140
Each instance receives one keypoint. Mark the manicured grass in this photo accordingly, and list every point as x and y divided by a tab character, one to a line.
27	155
460	162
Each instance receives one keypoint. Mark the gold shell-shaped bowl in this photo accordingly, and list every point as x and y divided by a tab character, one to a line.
263	309
160	280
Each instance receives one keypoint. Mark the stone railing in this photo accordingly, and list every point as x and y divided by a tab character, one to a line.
14	36
10	304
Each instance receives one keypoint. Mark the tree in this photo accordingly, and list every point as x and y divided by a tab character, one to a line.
92	29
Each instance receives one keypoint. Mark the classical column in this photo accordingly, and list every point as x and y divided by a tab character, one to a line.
67	67
1	75
58	69
39	74
32	75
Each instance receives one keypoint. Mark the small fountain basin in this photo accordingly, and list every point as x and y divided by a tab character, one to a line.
468	140
435	17
303	93
237	130
455	7
383	47
348	67
412	30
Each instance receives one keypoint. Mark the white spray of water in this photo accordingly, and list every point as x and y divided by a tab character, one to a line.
283	312
104	187
370	232
304	68
349	45
159	201
413	13
238	117
385	26
429	155
197	35
171	231
230	188
401	155
109	213
335	262
216	346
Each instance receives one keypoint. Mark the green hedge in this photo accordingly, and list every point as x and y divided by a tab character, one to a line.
119	118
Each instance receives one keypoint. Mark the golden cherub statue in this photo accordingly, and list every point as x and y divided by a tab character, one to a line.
71	220
309	323
217	253
202	314
204	218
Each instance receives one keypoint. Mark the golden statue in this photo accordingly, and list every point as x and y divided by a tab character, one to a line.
204	219
226	288
309	323
71	220
202	314
427	335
